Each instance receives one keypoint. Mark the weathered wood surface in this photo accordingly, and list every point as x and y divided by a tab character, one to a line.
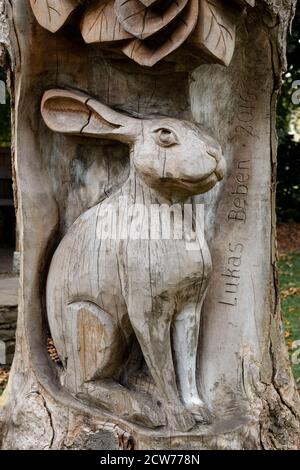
143	22
100	24
214	34
150	31
242	366
148	54
52	14
122	285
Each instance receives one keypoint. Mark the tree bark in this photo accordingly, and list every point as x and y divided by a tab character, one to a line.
243	365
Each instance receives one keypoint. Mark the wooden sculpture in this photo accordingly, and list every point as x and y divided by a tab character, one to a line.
104	293
149	31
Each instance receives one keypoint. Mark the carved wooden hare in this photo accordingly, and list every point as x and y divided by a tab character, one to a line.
103	292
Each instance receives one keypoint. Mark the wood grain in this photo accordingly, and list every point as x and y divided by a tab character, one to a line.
143	22
215	31
147	31
100	24
52	14
148	54
100	283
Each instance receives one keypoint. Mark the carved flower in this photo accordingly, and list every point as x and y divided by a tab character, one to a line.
149	30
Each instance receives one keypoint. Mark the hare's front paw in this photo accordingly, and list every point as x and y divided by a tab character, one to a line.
199	411
179	418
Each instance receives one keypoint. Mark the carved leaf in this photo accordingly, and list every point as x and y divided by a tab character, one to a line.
52	14
148	3
149	53
100	24
215	32
142	21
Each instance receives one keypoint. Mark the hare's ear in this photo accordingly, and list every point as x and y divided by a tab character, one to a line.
72	112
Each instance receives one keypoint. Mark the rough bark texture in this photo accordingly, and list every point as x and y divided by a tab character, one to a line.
243	368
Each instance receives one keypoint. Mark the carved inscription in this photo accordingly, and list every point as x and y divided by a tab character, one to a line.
238	210
232	274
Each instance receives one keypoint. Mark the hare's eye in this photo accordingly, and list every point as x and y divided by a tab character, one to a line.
166	137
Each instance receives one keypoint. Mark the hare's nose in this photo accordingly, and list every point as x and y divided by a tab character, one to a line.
214	152
221	168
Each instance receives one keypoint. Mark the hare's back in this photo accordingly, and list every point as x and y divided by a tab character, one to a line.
84	268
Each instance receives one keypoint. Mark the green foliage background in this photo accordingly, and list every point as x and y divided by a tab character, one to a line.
288	170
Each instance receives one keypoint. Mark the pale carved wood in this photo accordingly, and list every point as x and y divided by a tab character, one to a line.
158	28
170	159
149	53
100	24
142	21
215	31
52	14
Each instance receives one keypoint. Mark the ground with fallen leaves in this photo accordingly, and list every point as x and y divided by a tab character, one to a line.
288	236
289	275
4	372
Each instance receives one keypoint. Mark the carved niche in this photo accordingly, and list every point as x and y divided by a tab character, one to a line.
124	311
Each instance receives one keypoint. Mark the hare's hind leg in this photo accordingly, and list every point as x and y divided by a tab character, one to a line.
96	348
94	345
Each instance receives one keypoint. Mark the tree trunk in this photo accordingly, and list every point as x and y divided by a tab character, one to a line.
242	369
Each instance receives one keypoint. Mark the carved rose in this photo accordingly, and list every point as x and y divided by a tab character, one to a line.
149	30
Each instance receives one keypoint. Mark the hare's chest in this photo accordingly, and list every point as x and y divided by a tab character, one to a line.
169	266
